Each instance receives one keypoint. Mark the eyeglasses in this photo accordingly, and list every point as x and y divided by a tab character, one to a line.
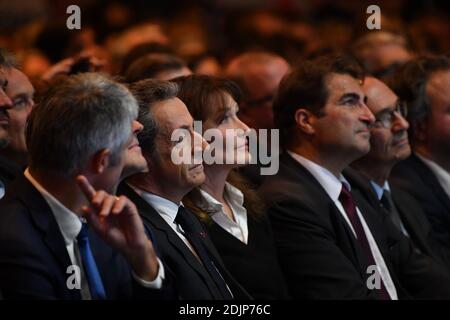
385	118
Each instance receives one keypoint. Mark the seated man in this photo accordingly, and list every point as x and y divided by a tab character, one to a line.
182	241
389	145
62	234
13	157
7	173
331	243
424	85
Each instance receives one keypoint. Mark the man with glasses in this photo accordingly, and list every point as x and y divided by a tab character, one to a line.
389	145
330	242
13	158
5	105
425	85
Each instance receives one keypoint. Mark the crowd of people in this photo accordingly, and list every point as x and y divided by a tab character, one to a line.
94	206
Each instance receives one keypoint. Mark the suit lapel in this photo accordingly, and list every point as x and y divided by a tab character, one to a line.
430	179
151	216
407	216
45	221
336	217
237	290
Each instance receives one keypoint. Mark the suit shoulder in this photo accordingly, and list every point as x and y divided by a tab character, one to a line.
16	227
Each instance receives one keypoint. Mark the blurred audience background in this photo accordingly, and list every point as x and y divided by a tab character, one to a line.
207	34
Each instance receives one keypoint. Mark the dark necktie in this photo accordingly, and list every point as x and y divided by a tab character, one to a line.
347	202
194	237
389	205
90	267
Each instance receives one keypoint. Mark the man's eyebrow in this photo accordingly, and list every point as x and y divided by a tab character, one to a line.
351	95
387	109
186	127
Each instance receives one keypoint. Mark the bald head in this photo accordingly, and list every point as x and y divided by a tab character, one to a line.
379	95
258	74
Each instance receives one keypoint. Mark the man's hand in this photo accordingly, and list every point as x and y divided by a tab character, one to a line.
117	221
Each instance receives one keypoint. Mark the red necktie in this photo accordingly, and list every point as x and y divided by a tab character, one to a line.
347	202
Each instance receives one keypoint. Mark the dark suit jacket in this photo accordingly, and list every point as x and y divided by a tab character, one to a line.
417	179
8	171
34	258
191	278
411	214
319	253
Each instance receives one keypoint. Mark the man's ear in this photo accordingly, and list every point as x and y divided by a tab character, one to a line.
304	121
101	160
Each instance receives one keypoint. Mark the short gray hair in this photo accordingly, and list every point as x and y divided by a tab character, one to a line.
78	117
148	92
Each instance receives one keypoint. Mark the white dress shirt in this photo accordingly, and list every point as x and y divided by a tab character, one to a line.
333	187
235	199
167	210
441	174
2	189
70	226
379	191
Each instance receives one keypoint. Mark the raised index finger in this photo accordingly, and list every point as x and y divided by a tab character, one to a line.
86	187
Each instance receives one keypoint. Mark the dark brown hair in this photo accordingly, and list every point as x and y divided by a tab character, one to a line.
203	95
410	82
305	87
147	93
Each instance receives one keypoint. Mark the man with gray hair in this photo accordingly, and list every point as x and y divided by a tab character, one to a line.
424	85
63	234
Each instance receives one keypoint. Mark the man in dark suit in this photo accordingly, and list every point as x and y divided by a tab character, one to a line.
20	91
6	174
424	85
389	145
63	235
331	242
183	243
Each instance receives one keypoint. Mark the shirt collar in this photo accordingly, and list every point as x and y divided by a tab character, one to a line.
163	206
2	189
69	223
232	194
379	190
326	179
